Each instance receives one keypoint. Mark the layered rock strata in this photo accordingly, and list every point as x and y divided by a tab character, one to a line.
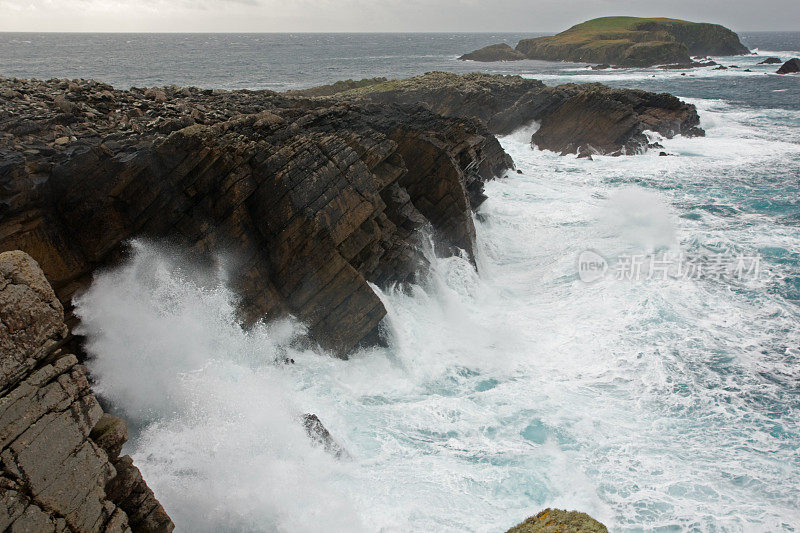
310	200
60	459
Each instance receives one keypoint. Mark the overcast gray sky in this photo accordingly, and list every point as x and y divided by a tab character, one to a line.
375	15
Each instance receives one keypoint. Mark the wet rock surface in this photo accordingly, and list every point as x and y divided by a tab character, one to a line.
60	453
311	200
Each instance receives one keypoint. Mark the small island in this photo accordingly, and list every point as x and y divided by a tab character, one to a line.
623	42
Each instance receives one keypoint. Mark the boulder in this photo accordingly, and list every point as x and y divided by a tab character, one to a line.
771	61
559	521
495	52
790	67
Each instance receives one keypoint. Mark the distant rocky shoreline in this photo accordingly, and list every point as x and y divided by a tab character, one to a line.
317	195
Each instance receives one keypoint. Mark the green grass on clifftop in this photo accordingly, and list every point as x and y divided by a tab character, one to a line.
633	41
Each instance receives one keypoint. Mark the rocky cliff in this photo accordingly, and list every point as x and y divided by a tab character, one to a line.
574	118
60	458
310	200
628	42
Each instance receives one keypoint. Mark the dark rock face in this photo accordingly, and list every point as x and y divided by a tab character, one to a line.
572	116
790	67
771	61
311	200
559	521
611	121
494	52
60	452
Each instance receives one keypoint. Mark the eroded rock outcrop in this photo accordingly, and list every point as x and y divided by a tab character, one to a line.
494	52
311	200
559	521
573	117
60	453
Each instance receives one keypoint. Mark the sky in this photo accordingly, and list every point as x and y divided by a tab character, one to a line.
376	15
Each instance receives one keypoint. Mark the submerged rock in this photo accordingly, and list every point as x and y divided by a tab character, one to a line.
790	67
495	52
559	521
60	452
320	435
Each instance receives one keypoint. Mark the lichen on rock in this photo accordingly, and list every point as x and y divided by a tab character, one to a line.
559	521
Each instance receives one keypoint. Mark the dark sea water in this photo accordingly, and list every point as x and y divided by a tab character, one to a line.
655	403
292	61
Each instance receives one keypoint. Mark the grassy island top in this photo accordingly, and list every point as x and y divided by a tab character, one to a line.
634	41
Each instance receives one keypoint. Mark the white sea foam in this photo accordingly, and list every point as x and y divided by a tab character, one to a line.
650	404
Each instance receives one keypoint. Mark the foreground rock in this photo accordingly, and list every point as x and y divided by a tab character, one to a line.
634	42
573	117
559	521
495	52
61	464
312	200
790	67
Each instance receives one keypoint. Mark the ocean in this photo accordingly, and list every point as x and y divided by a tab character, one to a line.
629	346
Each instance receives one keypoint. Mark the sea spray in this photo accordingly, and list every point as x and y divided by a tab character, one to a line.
220	436
648	403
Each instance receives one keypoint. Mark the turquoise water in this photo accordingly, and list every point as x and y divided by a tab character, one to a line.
655	404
